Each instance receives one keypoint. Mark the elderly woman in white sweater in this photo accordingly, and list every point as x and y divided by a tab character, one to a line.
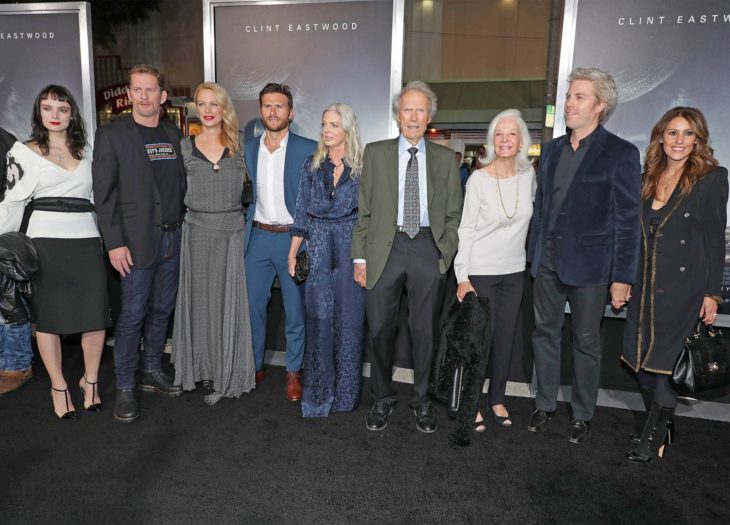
491	257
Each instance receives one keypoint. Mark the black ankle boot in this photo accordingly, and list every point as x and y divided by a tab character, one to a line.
653	437
647	396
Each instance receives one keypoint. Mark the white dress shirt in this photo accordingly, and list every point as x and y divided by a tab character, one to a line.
270	203
403	158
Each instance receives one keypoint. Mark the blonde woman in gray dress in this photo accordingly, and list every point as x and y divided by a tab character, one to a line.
212	334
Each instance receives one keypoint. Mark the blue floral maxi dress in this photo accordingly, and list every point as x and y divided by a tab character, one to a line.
335	304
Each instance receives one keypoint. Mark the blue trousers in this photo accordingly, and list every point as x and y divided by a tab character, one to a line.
16	352
148	298
266	258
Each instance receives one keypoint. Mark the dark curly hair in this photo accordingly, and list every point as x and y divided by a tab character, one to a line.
699	163
76	132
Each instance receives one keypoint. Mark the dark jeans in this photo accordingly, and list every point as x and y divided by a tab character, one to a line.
16	352
505	297
587	304
148	298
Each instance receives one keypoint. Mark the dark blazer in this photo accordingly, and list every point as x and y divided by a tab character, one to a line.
128	203
689	259
297	150
6	142
378	205
597	234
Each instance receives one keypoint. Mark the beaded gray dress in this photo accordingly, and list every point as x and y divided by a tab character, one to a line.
212	334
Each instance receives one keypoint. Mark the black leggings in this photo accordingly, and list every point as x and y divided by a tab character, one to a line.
664	394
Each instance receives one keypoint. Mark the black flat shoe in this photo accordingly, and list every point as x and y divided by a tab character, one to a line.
502	421
93	407
69	414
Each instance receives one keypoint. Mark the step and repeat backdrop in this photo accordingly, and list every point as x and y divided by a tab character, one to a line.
43	44
344	51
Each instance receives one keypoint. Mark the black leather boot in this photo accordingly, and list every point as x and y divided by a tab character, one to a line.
647	396
653	437
126	408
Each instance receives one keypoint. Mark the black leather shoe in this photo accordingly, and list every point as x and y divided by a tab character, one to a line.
539	420
157	381
378	416
126	409
579	430
425	418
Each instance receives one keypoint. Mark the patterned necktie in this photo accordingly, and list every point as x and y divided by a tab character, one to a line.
411	198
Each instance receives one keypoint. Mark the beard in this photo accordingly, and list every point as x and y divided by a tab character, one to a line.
279	126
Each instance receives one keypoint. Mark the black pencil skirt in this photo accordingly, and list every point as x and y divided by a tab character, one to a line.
70	290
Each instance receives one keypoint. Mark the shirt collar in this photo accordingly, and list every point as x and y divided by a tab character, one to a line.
404	145
588	139
282	144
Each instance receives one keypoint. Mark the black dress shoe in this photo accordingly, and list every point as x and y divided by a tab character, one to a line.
425	418
539	420
579	430
378	416
157	381
126	409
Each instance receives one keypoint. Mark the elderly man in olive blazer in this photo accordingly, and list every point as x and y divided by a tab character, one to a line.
406	237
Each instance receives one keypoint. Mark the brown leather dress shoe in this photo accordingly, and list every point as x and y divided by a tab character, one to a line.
293	386
260	375
13	379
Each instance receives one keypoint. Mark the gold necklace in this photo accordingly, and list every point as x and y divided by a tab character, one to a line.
509	218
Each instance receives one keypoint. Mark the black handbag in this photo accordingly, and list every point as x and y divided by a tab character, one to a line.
703	362
301	267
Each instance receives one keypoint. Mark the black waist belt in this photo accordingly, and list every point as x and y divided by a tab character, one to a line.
171	227
57	204
61	204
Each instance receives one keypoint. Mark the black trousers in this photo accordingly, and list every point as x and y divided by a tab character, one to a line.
413	266
505	297
587	305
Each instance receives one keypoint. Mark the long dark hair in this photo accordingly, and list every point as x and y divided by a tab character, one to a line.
76	132
699	163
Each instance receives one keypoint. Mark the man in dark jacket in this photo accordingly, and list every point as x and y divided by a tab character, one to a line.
585	236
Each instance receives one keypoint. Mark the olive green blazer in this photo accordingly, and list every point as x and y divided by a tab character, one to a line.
378	205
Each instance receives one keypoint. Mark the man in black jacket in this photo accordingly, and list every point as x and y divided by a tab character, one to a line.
139	185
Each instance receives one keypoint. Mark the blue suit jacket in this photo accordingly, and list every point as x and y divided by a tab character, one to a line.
297	150
597	234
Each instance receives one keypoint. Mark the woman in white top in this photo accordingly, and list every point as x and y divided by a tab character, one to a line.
52	174
491	257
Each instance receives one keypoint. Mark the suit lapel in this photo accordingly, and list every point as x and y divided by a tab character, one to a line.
432	171
391	156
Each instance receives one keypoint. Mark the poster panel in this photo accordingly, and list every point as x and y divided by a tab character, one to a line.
41	44
662	53
344	51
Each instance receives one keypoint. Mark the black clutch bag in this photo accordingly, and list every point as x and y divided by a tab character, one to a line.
301	267
247	193
703	362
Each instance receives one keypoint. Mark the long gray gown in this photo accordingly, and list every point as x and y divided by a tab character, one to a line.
212	333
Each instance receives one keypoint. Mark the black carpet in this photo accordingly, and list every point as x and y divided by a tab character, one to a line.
255	460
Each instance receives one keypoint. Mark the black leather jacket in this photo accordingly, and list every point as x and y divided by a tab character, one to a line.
18	264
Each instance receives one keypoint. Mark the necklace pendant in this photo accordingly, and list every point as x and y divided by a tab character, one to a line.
60	157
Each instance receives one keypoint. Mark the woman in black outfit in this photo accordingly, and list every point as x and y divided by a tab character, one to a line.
683	220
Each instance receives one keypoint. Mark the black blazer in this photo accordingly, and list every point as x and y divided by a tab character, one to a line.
128	204
597	234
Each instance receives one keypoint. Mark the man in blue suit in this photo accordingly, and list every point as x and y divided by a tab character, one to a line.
274	163
585	235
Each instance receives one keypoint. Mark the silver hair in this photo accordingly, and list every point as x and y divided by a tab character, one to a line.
353	143
523	161
603	84
421	87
